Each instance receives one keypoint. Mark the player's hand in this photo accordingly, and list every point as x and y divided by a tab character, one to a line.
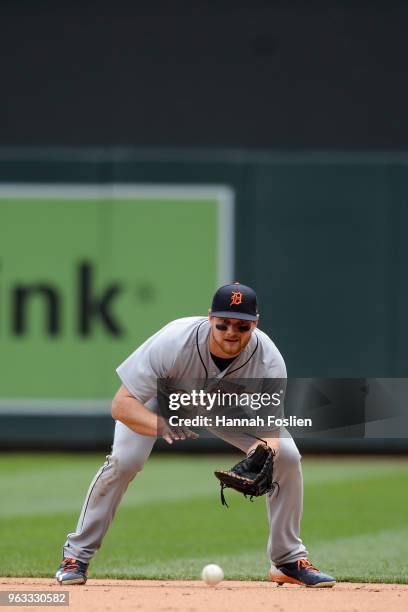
171	434
272	442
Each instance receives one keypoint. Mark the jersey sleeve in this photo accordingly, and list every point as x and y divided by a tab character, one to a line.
277	366
275	381
152	360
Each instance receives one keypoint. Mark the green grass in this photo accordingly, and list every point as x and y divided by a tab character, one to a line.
171	521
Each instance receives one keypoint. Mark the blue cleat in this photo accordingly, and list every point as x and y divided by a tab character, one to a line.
301	572
72	571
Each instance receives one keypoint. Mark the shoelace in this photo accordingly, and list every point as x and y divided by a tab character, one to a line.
305	564
73	564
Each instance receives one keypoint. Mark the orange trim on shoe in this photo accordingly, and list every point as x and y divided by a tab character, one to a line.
305	564
283	578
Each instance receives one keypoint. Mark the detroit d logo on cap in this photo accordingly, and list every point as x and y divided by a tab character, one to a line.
236	298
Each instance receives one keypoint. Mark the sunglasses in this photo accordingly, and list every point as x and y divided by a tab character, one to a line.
244	327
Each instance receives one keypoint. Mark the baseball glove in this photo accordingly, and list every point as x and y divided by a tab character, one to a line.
253	476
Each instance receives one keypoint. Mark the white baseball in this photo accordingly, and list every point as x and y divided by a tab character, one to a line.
212	574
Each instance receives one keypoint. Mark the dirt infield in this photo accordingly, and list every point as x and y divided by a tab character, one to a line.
191	596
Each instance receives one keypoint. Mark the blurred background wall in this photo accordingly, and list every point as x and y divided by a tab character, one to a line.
269	74
298	111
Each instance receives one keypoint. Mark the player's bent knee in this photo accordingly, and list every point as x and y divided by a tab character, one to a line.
289	456
126	467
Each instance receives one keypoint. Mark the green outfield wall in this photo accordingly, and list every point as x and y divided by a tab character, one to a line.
88	274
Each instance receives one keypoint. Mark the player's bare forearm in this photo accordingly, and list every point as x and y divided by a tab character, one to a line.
132	413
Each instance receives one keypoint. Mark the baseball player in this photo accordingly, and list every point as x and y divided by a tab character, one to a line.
226	345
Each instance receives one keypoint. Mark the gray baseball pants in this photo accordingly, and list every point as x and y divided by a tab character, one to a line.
129	454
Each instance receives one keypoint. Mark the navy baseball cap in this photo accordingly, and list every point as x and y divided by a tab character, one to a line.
235	301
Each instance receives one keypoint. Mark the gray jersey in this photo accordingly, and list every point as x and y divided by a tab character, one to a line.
180	350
